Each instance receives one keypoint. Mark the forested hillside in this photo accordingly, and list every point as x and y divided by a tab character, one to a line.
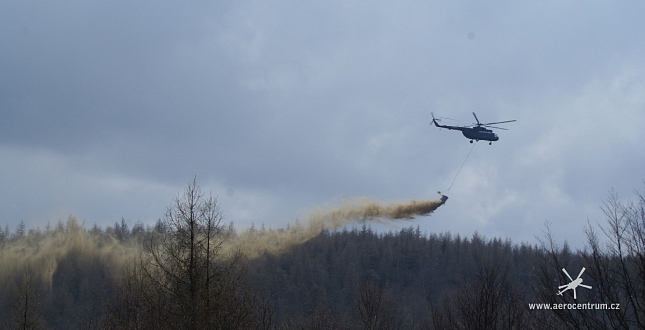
71	277
416	270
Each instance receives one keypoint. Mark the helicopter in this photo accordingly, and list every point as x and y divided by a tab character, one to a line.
573	285
475	132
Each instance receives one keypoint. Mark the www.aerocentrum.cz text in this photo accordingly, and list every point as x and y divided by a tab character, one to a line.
576	306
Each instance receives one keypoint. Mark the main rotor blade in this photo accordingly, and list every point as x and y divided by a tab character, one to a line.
500	122
565	271
581	271
506	129
477	119
450	119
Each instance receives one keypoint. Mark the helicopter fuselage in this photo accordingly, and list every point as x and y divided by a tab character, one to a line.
473	133
479	133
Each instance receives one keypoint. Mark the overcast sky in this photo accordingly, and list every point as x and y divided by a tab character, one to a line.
109	109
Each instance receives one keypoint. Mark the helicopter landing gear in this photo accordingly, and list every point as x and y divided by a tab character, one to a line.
490	143
471	141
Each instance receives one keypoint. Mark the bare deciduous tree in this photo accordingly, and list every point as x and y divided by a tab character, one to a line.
615	269
618	267
27	303
490	301
182	281
375	309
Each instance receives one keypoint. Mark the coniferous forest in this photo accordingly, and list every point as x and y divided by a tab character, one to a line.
178	274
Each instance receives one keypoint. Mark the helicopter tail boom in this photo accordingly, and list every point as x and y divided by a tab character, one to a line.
435	121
